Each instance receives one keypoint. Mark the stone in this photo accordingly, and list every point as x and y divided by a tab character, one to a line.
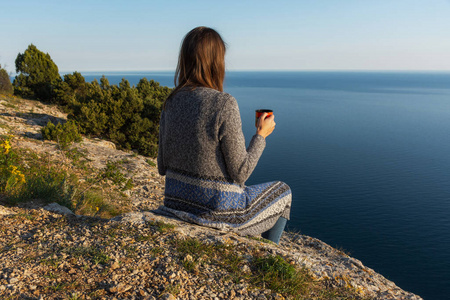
115	265
167	296
5	212
13	280
59	209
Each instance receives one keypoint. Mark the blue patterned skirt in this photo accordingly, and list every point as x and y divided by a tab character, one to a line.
247	210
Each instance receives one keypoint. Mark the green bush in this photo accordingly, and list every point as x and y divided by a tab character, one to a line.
124	114
11	173
26	176
114	173
5	83
38	75
64	134
275	273
48	185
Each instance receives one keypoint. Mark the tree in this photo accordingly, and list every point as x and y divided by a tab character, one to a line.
38	74
67	91
5	82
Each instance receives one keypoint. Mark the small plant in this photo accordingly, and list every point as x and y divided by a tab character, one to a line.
172	289
261	239
48	184
78	157
90	203
190	265
11	176
275	273
65	134
151	163
114	173
156	250
73	296
96	255
163	227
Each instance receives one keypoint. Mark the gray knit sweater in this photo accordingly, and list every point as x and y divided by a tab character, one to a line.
201	135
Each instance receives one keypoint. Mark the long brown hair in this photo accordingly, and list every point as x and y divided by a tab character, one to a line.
201	61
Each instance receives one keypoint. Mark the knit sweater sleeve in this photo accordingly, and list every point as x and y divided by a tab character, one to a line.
240	161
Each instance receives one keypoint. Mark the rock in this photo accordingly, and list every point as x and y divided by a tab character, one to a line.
59	209
13	280
246	269
5	212
167	296
115	265
104	144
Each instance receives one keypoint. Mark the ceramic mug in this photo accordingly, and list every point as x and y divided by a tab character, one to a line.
260	112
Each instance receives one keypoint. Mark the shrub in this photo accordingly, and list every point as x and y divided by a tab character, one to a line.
25	176
5	83
128	116
38	74
11	175
65	134
48	185
124	114
278	275
114	173
37	181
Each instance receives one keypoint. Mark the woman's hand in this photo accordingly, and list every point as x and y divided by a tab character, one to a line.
265	126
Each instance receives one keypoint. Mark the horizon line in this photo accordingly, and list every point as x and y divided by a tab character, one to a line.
105	72
268	70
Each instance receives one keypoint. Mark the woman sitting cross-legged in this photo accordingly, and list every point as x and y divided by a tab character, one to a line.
202	149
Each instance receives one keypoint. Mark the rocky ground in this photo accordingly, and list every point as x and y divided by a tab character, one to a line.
48	252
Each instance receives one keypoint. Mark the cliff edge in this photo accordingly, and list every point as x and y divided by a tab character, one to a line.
48	251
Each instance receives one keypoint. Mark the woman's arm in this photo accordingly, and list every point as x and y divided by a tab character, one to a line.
240	162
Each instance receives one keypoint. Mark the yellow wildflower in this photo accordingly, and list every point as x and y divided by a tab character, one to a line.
16	173
22	178
6	146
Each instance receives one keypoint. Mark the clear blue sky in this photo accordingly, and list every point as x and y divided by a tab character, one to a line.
261	35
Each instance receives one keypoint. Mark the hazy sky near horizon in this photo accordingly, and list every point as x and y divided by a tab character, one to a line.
261	35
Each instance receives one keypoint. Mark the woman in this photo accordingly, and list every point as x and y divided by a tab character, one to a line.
202	149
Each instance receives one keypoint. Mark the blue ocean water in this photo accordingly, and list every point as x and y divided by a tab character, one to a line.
367	155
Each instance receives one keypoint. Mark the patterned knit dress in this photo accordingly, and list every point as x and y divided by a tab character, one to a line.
202	153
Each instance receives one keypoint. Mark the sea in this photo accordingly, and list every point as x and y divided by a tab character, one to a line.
367	156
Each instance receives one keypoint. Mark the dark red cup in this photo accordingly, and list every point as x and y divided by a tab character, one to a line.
260	112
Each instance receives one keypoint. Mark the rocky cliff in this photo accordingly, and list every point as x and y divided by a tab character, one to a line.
50	252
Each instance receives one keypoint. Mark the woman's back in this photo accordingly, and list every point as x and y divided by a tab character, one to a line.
200	129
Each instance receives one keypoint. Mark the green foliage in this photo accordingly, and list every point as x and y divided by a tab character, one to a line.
5	82
94	253
38	181
90	203
114	173
73	87
65	134
38	75
224	256
25	176
275	273
48	184
11	175
151	163
126	115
